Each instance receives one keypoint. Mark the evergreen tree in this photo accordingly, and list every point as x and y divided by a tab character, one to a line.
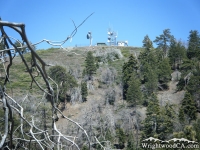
159	121
90	65
165	122
181	115
121	137
134	94
127	69
163	41
197	129
193	87
189	107
147	43
65	80
152	115
176	53
190	133
150	79
148	55
187	65
164	72
84	91
194	45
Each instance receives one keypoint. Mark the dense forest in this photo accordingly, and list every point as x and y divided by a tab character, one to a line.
114	93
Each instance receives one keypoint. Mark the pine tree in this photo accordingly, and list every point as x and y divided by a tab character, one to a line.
65	80
134	94
189	107
150	78
163	41
147	43
177	52
90	65
84	91
194	85
194	45
159	121
152	116
164	72
148	55
121	137
127	69
181	115
165	121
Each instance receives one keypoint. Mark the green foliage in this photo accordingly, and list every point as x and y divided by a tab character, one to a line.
121	137
84	91
134	94
194	45
158	122
163	41
189	107
190	66
109	136
181	84
147	43
153	113
85	147
65	80
148	66
90	65
164	72
193	85
197	129
150	78
130	143
17	44
148	56
127	69
181	115
165	124
189	133
177	52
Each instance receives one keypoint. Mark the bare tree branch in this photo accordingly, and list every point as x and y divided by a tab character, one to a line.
28	132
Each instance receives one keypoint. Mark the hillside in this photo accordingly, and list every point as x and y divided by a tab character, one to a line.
106	115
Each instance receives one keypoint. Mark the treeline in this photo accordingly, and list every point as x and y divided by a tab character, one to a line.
151	72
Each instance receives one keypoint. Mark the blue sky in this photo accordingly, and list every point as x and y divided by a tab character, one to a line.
132	19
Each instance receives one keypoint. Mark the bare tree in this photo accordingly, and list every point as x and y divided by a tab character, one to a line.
28	133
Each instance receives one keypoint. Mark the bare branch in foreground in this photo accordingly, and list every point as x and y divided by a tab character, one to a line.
27	132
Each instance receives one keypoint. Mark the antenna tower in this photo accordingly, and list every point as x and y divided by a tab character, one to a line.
112	37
